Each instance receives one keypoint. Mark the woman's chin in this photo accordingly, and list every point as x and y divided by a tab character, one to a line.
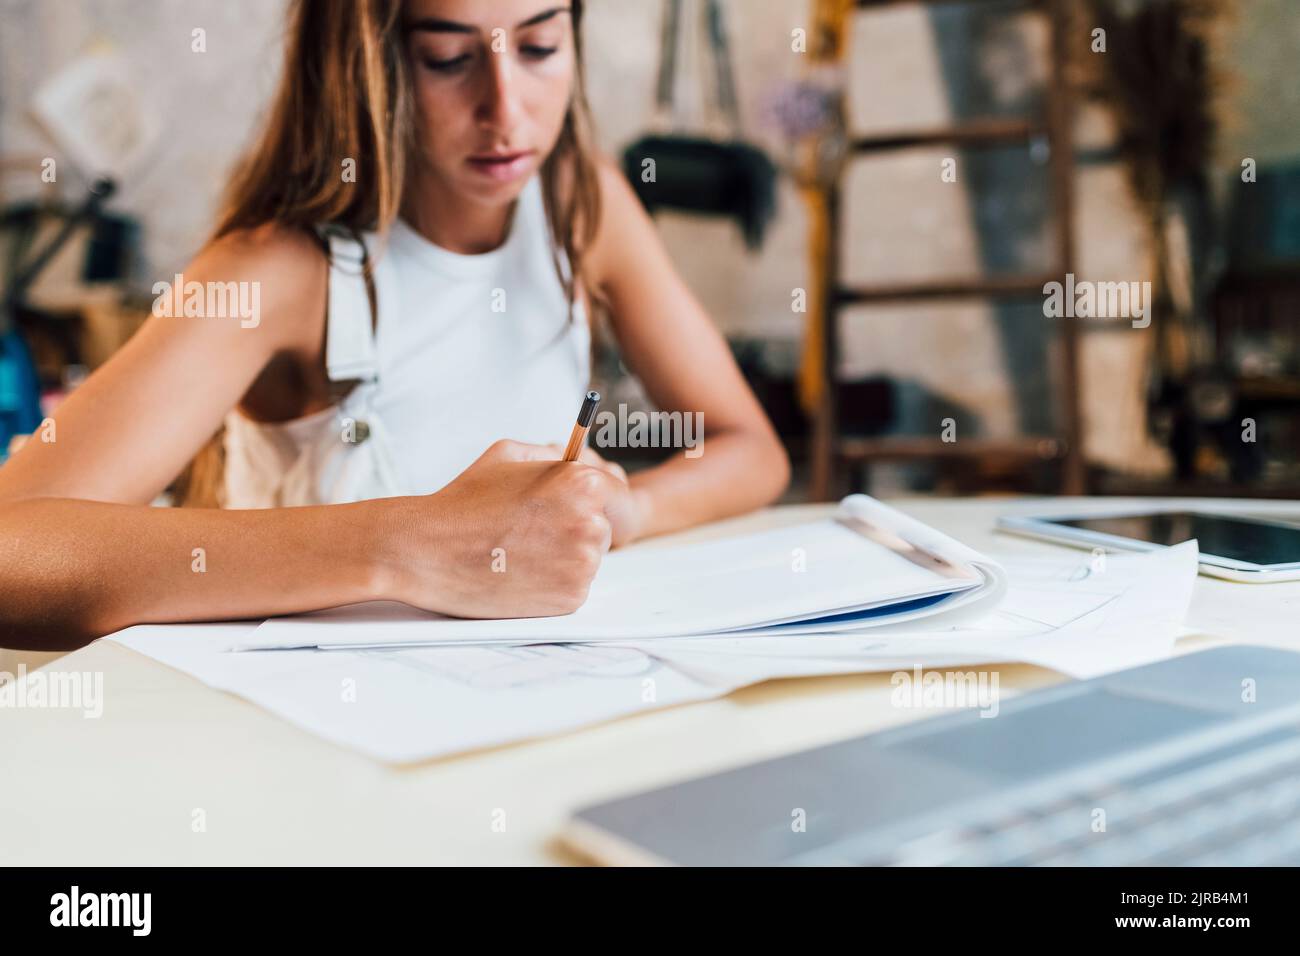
493	193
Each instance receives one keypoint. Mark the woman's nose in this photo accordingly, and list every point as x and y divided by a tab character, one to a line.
500	105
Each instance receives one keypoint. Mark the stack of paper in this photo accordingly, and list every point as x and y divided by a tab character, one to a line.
406	703
410	704
867	567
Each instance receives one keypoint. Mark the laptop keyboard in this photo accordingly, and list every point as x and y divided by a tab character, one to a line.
1238	807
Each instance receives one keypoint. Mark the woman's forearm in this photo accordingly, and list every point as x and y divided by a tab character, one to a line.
73	570
735	472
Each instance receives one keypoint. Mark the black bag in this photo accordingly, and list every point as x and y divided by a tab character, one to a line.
694	173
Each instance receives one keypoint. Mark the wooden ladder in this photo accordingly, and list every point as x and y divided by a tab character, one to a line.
829	447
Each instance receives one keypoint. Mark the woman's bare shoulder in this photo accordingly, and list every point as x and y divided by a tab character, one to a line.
270	252
619	211
288	268
624	230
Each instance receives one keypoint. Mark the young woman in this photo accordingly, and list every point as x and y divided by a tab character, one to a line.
423	229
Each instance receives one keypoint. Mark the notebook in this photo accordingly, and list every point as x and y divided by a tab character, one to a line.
867	565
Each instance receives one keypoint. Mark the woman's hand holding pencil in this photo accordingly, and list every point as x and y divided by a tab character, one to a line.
520	533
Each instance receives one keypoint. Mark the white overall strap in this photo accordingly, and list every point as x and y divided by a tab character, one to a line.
350	351
367	470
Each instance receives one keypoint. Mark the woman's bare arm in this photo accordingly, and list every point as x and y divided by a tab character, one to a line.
82	553
132	426
73	570
669	341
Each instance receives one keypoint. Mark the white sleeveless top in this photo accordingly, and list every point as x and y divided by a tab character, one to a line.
468	349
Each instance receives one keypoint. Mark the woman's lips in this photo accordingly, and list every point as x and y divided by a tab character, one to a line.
502	167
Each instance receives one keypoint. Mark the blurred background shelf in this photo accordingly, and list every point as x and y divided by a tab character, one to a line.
1115	166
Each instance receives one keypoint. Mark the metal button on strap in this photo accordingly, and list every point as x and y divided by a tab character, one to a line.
360	432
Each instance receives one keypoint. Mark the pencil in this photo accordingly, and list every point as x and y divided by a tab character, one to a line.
578	438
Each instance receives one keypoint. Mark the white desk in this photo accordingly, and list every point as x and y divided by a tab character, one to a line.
122	789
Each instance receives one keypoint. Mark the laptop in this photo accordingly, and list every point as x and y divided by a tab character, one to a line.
1192	760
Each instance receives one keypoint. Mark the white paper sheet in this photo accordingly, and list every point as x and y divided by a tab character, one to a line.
773	579
1069	614
412	704
408	704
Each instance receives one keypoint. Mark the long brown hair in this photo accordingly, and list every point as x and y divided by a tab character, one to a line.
345	94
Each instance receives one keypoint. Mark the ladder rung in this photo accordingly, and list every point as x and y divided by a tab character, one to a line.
904	448
980	132
984	287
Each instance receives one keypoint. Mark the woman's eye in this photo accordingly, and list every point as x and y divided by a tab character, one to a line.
446	66
538	52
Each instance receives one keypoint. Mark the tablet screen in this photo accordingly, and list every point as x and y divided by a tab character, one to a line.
1257	542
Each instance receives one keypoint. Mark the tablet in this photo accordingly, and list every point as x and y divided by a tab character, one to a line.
1236	548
